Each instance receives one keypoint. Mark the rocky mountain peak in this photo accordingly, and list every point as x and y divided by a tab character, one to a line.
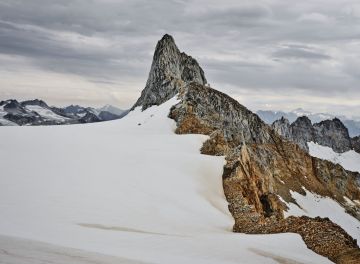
165	46
329	133
334	134
13	106
35	102
303	121
282	127
302	132
170	70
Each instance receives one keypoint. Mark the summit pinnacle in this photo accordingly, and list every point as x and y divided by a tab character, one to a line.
170	70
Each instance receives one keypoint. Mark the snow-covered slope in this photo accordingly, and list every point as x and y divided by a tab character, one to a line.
46	113
130	188
350	160
314	205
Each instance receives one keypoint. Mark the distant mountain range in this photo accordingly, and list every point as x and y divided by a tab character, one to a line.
353	125
37	112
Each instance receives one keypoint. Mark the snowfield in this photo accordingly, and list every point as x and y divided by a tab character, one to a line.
125	191
350	160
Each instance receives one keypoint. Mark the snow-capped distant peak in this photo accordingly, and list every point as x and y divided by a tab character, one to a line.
37	112
301	112
353	124
111	109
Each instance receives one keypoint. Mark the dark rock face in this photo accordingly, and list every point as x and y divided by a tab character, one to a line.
105	116
282	127
329	133
13	106
35	102
333	133
17	113
302	132
170	70
355	141
89	118
25	119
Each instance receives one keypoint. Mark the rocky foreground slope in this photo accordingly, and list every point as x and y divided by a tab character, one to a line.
262	168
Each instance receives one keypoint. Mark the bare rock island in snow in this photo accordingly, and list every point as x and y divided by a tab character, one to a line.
264	166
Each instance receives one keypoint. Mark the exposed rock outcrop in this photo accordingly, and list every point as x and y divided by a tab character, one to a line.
262	167
170	70
302	132
282	127
355	141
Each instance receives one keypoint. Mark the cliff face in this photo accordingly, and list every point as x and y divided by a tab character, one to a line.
329	133
262	167
170	70
355	141
333	134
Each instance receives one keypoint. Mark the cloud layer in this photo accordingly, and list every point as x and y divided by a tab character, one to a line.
269	54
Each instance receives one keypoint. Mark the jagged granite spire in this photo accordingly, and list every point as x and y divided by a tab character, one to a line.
170	70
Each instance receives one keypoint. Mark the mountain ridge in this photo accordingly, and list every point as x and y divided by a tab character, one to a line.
330	133
269	116
38	112
262	168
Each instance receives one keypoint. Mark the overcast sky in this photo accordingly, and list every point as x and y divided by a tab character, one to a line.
268	54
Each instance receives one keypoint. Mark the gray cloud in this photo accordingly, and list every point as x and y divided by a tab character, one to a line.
246	48
299	52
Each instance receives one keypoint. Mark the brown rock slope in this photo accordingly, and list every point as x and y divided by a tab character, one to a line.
261	167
